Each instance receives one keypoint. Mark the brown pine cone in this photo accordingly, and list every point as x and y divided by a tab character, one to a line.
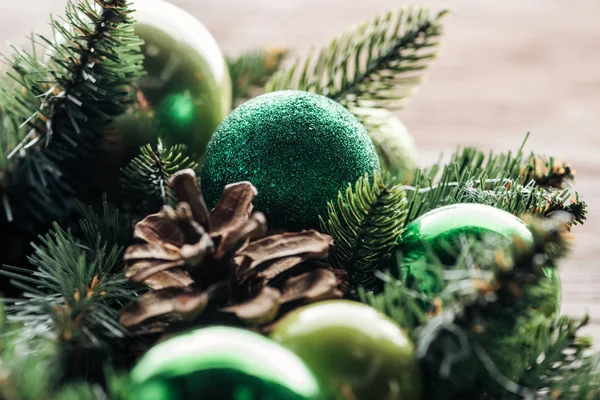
221	263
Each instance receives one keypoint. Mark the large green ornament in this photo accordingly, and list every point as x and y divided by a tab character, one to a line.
299	149
394	143
187	87
353	349
221	363
439	232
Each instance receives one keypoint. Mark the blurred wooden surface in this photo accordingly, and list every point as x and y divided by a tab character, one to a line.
507	67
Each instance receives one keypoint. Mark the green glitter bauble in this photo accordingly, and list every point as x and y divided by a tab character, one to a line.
439	232
221	363
394	144
299	149
354	348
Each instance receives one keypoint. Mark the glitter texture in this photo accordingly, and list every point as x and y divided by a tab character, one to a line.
299	149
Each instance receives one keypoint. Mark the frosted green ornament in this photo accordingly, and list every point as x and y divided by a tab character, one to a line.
394	143
440	231
221	363
354	350
298	148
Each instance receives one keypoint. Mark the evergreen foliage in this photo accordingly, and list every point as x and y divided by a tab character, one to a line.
469	335
501	180
377	64
76	292
56	112
478	337
364	225
145	180
251	70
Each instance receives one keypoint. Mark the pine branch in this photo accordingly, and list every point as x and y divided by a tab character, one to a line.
377	64
75	293
547	172
552	355
59	111
27	362
145	179
251	70
364	225
463	347
504	180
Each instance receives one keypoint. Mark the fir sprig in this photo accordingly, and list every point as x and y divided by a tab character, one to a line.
364	224
59	110
377	64
506	180
145	180
547	172
76	291
251	70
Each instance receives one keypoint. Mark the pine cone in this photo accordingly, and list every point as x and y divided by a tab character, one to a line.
221	263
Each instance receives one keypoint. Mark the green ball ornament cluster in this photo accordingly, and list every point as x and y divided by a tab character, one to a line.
439	231
355	351
298	148
221	363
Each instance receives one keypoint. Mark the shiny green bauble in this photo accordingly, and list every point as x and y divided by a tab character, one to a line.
394	143
221	363
187	83
354	350
298	148
439	232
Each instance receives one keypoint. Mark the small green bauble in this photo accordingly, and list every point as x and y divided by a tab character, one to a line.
353	349
440	232
187	81
221	363
394	143
299	149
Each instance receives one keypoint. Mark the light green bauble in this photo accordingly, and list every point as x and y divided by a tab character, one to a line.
440	231
186	90
187	82
395	145
354	350
221	363
298	148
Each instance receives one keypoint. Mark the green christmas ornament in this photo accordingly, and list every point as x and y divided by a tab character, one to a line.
353	349
298	148
186	91
187	85
440	230
221	363
394	143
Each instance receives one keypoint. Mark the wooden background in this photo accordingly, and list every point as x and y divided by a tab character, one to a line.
507	67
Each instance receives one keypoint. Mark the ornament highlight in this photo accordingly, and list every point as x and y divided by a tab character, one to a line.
298	148
221	363
440	232
353	349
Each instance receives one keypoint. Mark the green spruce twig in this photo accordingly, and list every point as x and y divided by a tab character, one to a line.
364	224
76	292
251	70
377	64
506	180
58	110
145	180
